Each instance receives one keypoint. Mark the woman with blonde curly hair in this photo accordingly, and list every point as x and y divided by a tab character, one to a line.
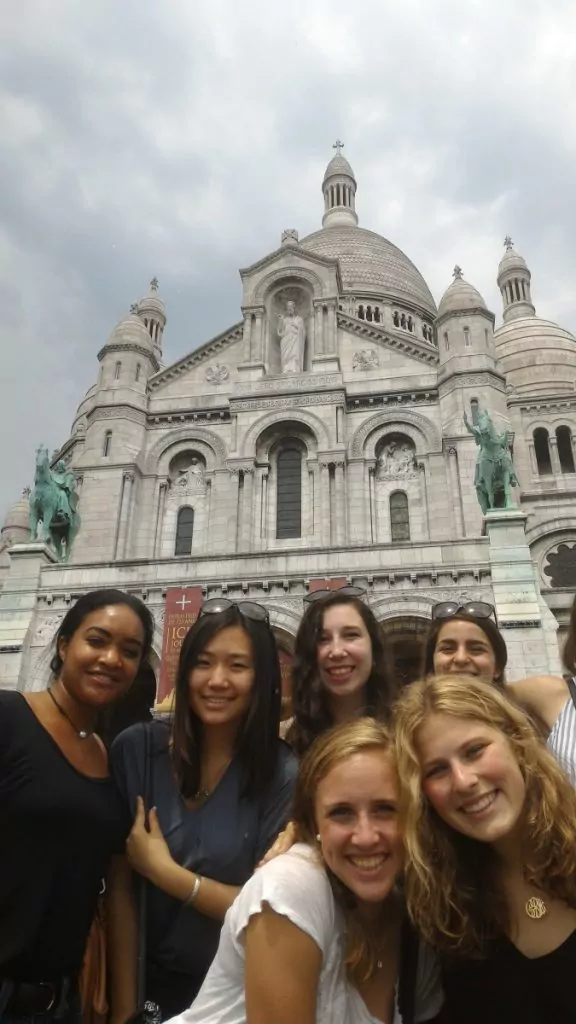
319	935
490	837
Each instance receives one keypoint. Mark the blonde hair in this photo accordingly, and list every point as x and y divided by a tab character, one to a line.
452	889
329	750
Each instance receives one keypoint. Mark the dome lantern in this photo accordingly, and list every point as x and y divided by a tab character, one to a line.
151	310
339	189
514	283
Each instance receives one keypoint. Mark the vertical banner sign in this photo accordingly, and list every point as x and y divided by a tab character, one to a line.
326	585
180	612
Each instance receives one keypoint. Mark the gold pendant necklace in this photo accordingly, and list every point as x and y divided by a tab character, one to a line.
535	908
203	794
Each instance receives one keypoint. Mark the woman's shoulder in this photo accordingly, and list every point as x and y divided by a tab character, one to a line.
155	735
295	886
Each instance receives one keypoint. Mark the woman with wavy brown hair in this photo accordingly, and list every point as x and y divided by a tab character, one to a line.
339	669
319	935
490	837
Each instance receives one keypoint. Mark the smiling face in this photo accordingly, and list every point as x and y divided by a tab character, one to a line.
221	682
100	660
471	777
463	648
356	811
344	653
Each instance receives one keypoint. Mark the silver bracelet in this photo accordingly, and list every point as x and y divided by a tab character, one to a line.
195	888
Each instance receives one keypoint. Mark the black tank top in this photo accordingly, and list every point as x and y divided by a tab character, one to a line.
58	830
509	988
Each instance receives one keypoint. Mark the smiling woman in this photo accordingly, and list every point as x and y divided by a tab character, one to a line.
60	816
318	935
220	784
490	833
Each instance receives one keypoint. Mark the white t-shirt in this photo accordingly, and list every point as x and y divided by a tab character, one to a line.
296	886
562	739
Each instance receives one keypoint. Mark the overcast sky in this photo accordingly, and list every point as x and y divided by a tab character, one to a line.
178	138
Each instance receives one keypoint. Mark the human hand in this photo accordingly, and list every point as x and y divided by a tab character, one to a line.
283	843
146	849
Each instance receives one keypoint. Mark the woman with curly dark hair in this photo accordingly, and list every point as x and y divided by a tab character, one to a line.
339	670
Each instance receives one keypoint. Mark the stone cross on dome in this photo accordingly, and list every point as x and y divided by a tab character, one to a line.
338	146
508	242
154	284
457	273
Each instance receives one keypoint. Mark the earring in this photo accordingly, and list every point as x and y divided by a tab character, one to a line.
317	837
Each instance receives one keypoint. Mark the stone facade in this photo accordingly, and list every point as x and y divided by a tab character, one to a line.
386	466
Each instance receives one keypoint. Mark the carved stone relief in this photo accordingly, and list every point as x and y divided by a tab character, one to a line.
365	359
217	374
397	460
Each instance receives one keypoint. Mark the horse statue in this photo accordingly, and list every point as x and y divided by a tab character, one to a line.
495	474
54	503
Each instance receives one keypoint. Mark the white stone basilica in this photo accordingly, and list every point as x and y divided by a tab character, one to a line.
319	438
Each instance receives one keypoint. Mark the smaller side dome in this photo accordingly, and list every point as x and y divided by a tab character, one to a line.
130	331
151	303
16	519
460	296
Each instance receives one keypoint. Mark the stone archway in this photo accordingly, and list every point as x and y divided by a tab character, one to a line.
404	638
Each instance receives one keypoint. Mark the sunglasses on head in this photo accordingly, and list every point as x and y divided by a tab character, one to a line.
477	609
249	609
318	595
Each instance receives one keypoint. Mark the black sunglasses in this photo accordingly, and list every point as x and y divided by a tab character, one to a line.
477	609
318	595
249	609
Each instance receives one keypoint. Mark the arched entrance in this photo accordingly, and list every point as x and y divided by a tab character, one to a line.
404	640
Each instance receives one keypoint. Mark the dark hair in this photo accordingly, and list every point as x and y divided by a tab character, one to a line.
488	627
91	602
309	703
134	706
569	652
257	742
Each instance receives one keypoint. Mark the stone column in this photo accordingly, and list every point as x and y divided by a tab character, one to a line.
325	502
160	506
257	344
455	491
318	330
248	335
264	529
247	509
533	462
424	499
234	503
340	509
124	515
340	425
331	345
554	457
372	506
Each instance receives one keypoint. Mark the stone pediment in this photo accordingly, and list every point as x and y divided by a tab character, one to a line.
321	272
406	344
215	347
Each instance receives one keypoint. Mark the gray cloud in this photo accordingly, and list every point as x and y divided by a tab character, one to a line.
179	139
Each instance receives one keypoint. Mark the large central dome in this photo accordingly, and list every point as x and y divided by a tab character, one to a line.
370	263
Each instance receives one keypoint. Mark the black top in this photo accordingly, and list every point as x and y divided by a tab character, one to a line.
222	839
58	830
508	987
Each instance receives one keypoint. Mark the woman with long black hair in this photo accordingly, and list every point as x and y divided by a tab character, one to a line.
220	785
61	820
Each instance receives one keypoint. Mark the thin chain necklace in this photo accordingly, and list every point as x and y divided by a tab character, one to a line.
82	734
203	794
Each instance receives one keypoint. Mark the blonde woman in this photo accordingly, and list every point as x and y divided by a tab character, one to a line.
490	837
318	935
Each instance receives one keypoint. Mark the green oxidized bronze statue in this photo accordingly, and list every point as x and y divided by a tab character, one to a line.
54	503
494	467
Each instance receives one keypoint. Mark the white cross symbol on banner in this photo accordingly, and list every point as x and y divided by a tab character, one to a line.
183	602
